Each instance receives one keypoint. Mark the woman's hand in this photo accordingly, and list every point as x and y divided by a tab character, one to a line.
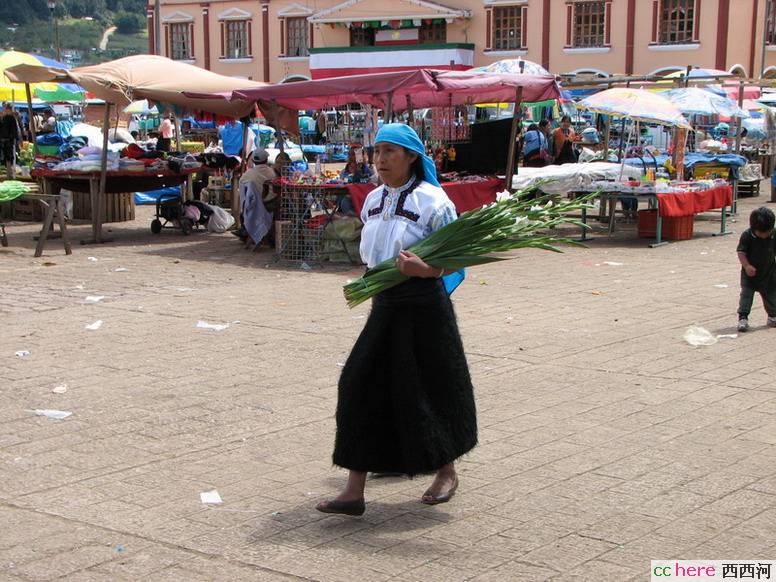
412	265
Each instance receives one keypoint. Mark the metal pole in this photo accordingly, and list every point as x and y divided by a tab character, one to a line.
511	165
766	26
97	207
739	127
30	115
157	32
56	33
388	113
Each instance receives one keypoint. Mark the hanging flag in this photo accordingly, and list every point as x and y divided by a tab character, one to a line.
396	37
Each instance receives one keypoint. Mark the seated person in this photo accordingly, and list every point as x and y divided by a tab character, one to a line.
260	174
257	221
282	164
535	153
355	172
50	125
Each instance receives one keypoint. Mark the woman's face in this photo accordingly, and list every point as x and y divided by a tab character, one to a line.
393	163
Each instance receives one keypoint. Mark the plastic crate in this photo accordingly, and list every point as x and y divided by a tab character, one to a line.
674	228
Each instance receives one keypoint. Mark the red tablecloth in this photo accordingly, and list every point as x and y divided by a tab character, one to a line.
687	203
465	195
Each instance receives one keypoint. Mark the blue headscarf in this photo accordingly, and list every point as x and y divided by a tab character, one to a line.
406	137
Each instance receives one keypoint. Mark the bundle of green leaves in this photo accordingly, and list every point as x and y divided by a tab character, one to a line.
513	221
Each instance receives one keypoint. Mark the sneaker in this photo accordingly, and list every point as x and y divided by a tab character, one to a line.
771	322
743	324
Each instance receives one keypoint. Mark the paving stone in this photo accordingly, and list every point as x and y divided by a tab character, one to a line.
605	440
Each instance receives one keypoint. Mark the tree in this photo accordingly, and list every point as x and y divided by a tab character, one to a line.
127	23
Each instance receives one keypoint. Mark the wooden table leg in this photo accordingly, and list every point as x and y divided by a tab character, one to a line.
46	227
96	204
96	211
612	211
60	207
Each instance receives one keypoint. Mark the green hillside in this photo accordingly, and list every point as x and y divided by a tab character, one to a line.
27	25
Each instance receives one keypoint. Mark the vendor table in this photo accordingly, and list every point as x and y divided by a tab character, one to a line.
674	203
115	181
465	195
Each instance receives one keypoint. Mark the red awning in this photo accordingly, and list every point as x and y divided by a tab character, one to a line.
424	87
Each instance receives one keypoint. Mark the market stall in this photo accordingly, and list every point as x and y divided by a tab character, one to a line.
407	91
157	79
670	205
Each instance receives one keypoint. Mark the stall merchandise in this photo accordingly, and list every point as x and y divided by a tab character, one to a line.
731	162
558	180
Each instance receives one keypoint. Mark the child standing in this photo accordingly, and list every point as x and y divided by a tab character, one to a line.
757	254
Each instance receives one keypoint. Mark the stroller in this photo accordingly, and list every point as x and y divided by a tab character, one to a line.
176	214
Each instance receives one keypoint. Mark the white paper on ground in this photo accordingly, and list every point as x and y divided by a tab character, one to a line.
214	326
94	326
22	353
61	389
210	497
55	414
727	336
612	264
699	336
92	259
721	286
94	298
120	270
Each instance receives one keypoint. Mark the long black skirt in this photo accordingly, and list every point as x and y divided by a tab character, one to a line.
405	401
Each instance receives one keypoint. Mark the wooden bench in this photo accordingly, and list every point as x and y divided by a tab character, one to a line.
53	208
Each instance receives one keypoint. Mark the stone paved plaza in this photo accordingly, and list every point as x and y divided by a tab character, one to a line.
605	439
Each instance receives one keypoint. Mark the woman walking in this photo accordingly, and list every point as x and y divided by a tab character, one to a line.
405	398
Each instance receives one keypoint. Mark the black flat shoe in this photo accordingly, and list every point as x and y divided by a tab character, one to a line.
355	508
431	499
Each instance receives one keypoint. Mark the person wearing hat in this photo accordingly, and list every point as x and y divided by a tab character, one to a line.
260	174
405	402
259	178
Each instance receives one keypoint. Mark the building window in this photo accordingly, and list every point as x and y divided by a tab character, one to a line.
296	33
435	32
362	36
589	24
508	28
180	41
770	25
236	38
677	21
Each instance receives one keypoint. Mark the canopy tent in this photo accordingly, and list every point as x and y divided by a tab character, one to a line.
514	67
151	77
46	91
696	101
417	89
636	104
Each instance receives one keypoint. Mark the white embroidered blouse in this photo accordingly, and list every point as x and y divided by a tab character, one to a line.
397	218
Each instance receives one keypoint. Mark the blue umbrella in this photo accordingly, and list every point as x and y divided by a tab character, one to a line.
695	101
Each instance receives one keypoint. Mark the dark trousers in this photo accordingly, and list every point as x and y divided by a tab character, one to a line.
768	293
